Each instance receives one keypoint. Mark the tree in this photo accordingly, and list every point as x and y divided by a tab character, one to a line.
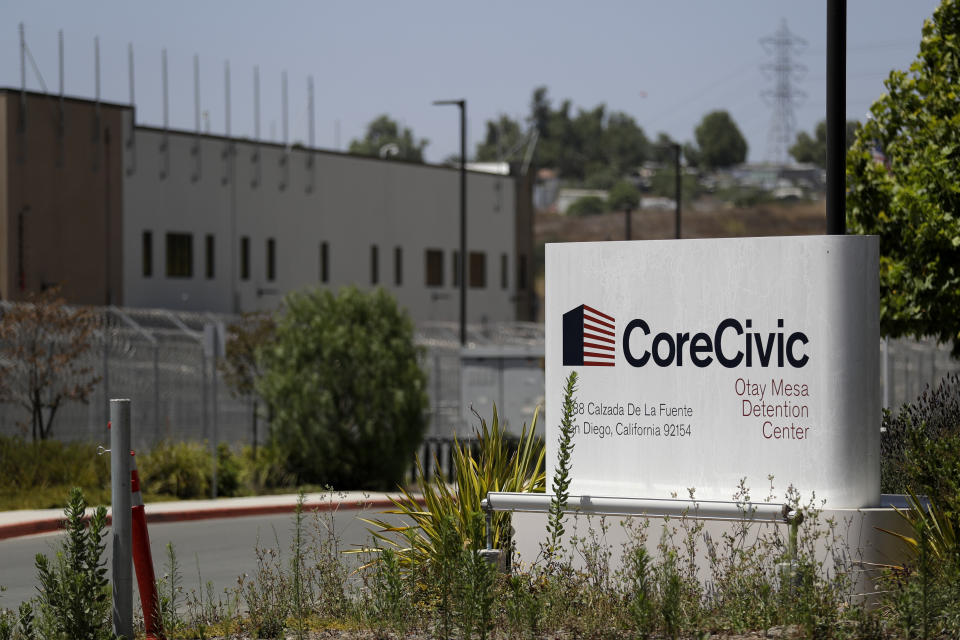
623	196
346	390
720	142
903	173
663	151
813	149
43	344
242	364
384	139
502	135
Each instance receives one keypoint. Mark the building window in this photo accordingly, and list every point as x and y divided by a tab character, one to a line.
271	259
504	273
245	257
374	265
179	255
147	252
456	268
478	270
434	259
522	273
211	259
324	262
398	266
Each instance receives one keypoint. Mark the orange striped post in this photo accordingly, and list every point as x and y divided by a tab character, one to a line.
143	560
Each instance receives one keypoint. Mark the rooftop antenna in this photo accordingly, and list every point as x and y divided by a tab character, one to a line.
284	164
196	117
131	134
165	141
255	158
97	114
310	133
61	117
228	146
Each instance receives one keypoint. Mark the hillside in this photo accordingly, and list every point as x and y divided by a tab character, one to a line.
705	218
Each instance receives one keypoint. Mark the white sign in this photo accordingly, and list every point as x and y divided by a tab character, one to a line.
702	362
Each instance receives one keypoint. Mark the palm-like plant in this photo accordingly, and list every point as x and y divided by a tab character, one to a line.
931	524
494	466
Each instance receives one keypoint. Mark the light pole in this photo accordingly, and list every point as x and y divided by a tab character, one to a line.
463	213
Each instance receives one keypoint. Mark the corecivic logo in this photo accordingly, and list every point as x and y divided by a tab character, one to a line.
589	339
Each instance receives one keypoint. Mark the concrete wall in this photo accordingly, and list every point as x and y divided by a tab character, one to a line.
61	189
235	188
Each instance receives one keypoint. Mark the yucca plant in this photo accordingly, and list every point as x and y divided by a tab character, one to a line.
494	466
931	521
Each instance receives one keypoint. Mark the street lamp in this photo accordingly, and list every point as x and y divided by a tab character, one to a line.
463	213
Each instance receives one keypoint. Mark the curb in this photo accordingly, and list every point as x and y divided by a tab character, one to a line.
48	525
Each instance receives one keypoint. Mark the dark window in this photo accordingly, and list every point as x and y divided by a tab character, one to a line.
179	255
478	270
211	260
147	254
504	273
398	266
244	257
271	259
456	268
522	273
434	258
374	265
324	262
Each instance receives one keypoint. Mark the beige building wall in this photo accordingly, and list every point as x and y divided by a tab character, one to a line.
62	197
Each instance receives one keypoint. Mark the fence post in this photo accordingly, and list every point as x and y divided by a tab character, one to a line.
121	526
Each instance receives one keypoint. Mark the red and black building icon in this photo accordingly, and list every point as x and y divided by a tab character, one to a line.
589	338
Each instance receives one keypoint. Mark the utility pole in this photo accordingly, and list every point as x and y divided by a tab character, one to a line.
836	116
784	96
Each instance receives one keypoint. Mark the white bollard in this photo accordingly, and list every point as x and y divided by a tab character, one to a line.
122	574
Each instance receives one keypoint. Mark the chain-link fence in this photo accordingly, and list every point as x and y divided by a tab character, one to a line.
163	363
160	361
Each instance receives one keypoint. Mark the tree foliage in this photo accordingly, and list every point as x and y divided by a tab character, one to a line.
344	384
623	196
384	138
903	184
241	365
813	149
43	344
588	143
503	135
719	141
587	206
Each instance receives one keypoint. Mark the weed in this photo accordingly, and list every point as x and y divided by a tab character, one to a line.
328	576
74	590
561	478
169	591
267	595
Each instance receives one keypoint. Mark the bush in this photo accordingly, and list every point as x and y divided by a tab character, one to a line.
346	390
623	196
180	469
48	469
587	206
920	444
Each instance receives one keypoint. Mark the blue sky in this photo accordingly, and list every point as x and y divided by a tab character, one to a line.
664	63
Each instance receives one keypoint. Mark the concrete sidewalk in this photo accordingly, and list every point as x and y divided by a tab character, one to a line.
26	522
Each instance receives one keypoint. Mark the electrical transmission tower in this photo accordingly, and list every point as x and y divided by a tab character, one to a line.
784	95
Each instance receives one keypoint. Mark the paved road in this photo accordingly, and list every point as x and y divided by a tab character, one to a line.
222	548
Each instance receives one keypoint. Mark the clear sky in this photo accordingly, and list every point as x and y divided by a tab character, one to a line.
664	63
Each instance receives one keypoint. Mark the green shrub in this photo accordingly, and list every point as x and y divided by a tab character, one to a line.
920	444
343	380
49	469
587	206
179	469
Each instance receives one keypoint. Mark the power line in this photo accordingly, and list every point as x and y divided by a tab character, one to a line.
784	95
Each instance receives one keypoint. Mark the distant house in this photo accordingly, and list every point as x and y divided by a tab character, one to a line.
567	197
